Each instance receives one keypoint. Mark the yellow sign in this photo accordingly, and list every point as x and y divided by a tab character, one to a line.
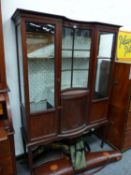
124	46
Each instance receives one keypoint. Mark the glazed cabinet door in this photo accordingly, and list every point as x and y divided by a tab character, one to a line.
102	84
39	87
76	46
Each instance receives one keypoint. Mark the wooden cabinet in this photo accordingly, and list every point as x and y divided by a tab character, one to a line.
119	132
3	86
65	72
7	153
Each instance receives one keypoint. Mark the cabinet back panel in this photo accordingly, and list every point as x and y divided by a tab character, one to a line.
127	141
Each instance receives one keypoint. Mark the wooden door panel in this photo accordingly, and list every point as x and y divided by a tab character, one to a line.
44	125
121	85
98	111
127	140
6	167
119	105
74	111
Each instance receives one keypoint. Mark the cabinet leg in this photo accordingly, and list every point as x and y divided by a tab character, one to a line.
30	159
105	129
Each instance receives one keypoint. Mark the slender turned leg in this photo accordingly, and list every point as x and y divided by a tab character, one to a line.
23	139
105	128
30	159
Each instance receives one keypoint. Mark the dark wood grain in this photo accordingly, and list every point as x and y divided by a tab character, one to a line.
43	125
63	166
119	115
75	111
3	84
7	150
98	111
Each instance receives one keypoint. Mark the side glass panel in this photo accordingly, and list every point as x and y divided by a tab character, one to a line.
76	45
103	65
67	46
41	57
81	55
20	61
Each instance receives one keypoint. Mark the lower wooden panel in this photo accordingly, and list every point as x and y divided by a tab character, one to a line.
5	148
98	111
6	167
43	125
130	107
127	140
74	111
116	127
129	121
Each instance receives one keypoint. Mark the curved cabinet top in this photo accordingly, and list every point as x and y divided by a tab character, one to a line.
28	13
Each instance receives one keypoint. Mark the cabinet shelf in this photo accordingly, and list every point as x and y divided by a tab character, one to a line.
64	70
40	106
76	50
39	58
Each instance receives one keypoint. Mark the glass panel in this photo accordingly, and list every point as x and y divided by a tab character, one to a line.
81	54
82	40
66	63
82	45
80	78
67	45
103	65
66	79
40	55
76	44
105	45
82	63
21	71
67	39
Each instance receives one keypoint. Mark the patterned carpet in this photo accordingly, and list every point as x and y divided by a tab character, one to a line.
122	167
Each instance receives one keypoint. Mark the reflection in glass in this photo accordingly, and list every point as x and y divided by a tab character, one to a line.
105	45
67	39
81	63
66	79
21	71
82	40
76	44
80	78
40	55
103	65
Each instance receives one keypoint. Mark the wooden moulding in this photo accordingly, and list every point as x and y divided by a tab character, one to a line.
64	167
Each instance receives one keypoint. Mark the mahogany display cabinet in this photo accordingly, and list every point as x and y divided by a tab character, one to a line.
65	72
